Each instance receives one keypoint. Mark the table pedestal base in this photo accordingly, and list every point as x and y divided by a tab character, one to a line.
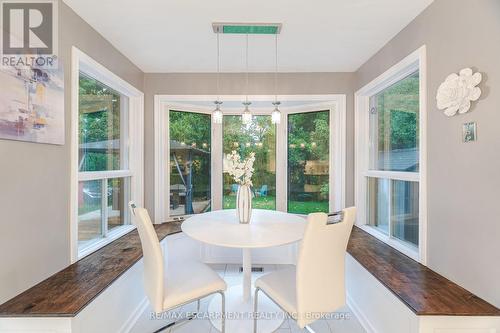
239	314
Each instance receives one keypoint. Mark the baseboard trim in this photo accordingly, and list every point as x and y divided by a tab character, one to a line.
136	314
363	320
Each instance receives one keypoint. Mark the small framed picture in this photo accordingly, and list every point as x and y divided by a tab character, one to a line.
469	132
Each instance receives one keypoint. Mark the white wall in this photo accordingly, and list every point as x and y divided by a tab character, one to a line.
35	178
463	179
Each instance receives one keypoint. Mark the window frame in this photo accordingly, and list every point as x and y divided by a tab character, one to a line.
131	142
165	155
335	180
277	149
163	103
416	61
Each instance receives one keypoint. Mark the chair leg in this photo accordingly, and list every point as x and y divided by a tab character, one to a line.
309	329
255	304
223	314
182	321
165	327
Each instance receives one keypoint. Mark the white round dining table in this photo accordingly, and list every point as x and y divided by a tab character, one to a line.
267	228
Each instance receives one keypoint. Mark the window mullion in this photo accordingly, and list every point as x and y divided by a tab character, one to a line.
97	175
331	162
372	132
124	128
281	163
127	181
395	175
217	156
390	209
104	207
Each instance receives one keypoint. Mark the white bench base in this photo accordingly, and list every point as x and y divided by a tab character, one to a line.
380	311
123	306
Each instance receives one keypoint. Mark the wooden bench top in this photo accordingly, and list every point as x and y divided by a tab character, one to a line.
424	291
67	292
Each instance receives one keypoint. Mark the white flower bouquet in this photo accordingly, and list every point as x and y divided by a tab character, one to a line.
240	170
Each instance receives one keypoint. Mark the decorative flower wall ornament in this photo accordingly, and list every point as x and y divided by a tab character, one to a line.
457	91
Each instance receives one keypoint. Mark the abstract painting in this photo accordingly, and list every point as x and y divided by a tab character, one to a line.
32	104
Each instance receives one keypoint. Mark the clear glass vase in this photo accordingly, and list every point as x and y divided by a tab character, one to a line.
244	204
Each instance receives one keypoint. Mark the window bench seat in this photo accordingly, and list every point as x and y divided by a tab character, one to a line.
389	292
67	292
102	292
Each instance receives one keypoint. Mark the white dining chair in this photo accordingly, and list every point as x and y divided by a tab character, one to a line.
316	286
168	284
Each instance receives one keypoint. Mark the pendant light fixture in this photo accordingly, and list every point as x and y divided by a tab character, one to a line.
246	117
247	29
276	114
217	115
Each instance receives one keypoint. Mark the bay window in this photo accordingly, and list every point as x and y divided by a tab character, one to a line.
299	164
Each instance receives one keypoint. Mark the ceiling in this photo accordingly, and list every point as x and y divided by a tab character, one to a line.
317	35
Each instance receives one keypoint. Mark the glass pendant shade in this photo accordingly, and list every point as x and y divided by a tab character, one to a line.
246	117
217	114
276	114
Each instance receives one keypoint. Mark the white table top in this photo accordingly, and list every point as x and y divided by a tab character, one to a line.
267	228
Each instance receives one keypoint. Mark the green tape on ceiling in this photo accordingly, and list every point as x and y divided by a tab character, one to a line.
249	29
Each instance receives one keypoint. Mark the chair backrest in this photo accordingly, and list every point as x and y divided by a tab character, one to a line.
152	257
321	266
